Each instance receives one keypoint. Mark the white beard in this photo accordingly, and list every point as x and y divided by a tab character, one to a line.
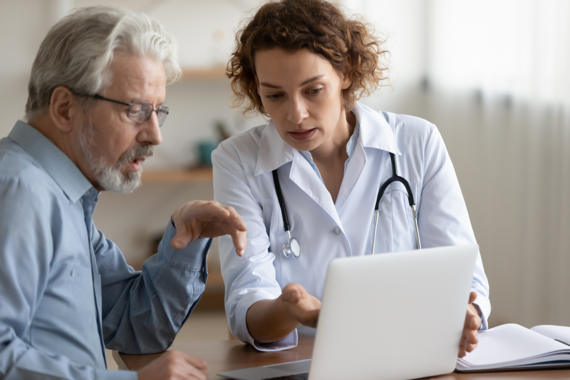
109	177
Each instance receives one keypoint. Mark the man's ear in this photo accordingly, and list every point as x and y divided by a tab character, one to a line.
63	108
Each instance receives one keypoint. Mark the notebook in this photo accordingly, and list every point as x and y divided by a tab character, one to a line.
388	316
513	347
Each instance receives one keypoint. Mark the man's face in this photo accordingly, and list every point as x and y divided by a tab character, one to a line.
112	146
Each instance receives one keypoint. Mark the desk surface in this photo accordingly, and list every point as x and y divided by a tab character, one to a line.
227	355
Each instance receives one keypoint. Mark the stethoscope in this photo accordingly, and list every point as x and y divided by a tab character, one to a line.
293	247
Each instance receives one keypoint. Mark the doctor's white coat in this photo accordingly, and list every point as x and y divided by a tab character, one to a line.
326	230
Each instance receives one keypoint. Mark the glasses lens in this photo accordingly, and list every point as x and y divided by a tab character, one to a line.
139	111
162	113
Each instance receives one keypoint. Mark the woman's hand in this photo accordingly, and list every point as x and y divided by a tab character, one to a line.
300	305
472	322
272	320
208	219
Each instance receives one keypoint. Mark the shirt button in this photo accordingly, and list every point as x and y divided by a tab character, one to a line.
72	273
337	230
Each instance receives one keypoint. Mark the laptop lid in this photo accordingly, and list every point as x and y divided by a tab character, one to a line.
389	316
394	315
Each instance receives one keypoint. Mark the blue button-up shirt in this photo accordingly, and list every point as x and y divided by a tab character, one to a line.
66	291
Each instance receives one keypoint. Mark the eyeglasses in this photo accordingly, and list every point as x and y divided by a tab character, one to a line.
139	111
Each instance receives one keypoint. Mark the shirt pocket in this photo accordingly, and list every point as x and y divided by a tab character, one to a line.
396	226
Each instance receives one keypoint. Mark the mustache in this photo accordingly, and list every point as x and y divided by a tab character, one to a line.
140	150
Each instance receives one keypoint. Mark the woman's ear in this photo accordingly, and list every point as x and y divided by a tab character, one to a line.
63	108
257	85
346	82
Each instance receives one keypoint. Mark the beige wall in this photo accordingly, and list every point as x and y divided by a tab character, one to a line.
510	213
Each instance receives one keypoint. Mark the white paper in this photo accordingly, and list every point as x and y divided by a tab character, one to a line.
561	333
510	344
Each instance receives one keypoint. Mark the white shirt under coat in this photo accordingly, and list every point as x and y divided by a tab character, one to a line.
326	230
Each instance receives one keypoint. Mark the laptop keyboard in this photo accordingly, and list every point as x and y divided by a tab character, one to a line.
302	376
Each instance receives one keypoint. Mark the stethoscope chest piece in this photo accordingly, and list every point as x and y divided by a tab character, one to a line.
292	247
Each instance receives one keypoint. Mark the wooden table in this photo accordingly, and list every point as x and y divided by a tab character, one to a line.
227	355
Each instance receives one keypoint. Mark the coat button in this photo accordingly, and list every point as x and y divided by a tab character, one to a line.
337	230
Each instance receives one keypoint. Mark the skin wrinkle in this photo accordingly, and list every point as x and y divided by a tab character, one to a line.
110	176
108	141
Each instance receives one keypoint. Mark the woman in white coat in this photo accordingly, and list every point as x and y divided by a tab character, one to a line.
304	64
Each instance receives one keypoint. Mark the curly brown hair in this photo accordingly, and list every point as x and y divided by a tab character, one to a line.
316	25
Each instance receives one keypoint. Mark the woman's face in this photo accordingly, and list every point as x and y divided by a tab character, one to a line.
302	93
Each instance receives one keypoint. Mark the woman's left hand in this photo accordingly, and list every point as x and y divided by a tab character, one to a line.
470	328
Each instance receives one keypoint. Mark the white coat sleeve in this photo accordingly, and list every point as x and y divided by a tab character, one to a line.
442	214
250	278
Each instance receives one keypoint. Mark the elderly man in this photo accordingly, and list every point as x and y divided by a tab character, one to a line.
94	111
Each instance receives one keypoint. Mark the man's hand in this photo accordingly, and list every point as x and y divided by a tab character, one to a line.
300	305
174	365
472	323
208	219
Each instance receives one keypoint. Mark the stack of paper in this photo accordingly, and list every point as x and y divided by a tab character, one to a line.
511	346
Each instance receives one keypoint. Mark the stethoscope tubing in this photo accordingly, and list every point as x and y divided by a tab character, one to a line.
394	178
281	202
292	246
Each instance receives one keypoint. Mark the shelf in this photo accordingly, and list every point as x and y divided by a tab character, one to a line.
200	174
210	72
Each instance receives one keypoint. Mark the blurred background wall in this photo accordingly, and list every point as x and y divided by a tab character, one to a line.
492	75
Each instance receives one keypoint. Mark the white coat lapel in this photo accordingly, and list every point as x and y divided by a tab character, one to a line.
303	175
274	153
351	175
375	132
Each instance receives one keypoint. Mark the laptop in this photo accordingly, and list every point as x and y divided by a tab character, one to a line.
387	316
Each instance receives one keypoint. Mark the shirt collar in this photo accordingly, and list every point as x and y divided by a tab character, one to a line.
63	171
273	151
375	132
352	141
350	148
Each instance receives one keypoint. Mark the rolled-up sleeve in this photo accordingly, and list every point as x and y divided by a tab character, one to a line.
250	278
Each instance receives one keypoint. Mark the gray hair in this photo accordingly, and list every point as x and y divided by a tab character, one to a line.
78	50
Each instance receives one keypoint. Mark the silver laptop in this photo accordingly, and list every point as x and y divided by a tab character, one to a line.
388	316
